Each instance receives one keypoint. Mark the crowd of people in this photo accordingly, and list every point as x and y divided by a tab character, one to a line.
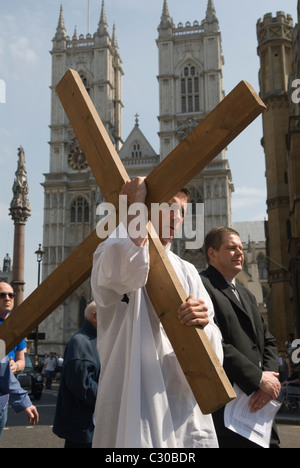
121	385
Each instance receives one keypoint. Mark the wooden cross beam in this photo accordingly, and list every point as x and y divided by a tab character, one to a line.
192	347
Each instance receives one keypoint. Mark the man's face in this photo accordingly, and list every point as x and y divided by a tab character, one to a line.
171	219
229	259
6	302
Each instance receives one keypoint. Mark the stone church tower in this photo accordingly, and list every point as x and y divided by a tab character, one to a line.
293	153
278	49
70	191
190	83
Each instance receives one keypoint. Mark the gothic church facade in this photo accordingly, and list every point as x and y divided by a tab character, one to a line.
190	85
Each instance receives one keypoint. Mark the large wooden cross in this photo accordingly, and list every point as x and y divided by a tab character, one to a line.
198	360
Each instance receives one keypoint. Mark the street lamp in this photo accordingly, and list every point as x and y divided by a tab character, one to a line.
39	256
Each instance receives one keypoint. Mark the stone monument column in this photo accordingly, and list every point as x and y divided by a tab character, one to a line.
20	212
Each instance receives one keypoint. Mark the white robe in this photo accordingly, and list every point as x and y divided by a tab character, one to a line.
144	399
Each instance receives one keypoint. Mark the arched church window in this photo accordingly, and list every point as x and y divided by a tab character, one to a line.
196	197
190	97
85	82
262	267
80	211
183	86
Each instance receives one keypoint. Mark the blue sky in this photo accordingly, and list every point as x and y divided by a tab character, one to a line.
26	31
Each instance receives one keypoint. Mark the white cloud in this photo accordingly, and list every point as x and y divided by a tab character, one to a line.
20	50
250	192
249	203
248	196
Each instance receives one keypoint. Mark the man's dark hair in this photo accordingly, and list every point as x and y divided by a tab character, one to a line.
187	193
215	238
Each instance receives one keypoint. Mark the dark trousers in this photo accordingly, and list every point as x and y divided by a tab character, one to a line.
49	377
233	440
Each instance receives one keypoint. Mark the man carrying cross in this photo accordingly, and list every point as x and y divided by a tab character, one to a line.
198	360
144	399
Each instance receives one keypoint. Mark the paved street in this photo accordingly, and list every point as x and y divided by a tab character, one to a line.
290	436
18	433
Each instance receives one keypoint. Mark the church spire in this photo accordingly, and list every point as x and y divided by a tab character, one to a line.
75	38
211	23
102	26
61	29
114	43
166	22
114	38
166	13
59	39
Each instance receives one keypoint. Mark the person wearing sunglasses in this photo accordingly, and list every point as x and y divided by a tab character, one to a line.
17	355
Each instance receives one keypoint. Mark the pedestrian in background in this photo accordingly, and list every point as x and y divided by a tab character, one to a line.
11	392
49	368
7	302
79	385
17	355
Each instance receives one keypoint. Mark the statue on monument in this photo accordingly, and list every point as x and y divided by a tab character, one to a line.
20	207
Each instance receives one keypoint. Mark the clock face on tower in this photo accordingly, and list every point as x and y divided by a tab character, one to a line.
77	159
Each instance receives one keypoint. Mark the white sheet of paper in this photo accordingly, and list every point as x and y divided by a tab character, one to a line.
257	426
